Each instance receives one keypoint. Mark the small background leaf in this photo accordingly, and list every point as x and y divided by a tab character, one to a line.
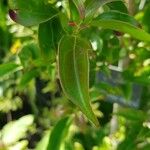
31	12
59	133
15	130
27	77
8	68
28	53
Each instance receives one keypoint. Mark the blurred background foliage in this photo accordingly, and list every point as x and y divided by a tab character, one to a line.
33	109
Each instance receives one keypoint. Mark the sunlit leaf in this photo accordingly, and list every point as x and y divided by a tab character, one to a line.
15	130
21	145
42	145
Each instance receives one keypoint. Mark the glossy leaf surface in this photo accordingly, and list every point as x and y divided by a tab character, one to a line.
121	22
74	73
30	12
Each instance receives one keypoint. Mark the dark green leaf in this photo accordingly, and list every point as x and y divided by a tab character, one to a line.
74	73
59	133
121	22
49	34
30	12
119	6
146	18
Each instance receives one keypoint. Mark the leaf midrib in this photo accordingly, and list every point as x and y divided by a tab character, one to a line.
76	71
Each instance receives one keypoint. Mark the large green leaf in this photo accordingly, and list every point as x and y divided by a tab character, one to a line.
49	34
8	68
30	12
74	73
59	133
121	22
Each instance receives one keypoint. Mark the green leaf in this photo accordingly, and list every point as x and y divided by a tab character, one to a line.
42	145
59	133
16	130
49	34
65	23
131	114
8	68
141	75
74	13
119	6
27	77
93	7
31	12
74	73
146	18
121	22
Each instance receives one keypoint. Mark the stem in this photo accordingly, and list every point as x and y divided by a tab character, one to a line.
131	6
114	120
9	116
